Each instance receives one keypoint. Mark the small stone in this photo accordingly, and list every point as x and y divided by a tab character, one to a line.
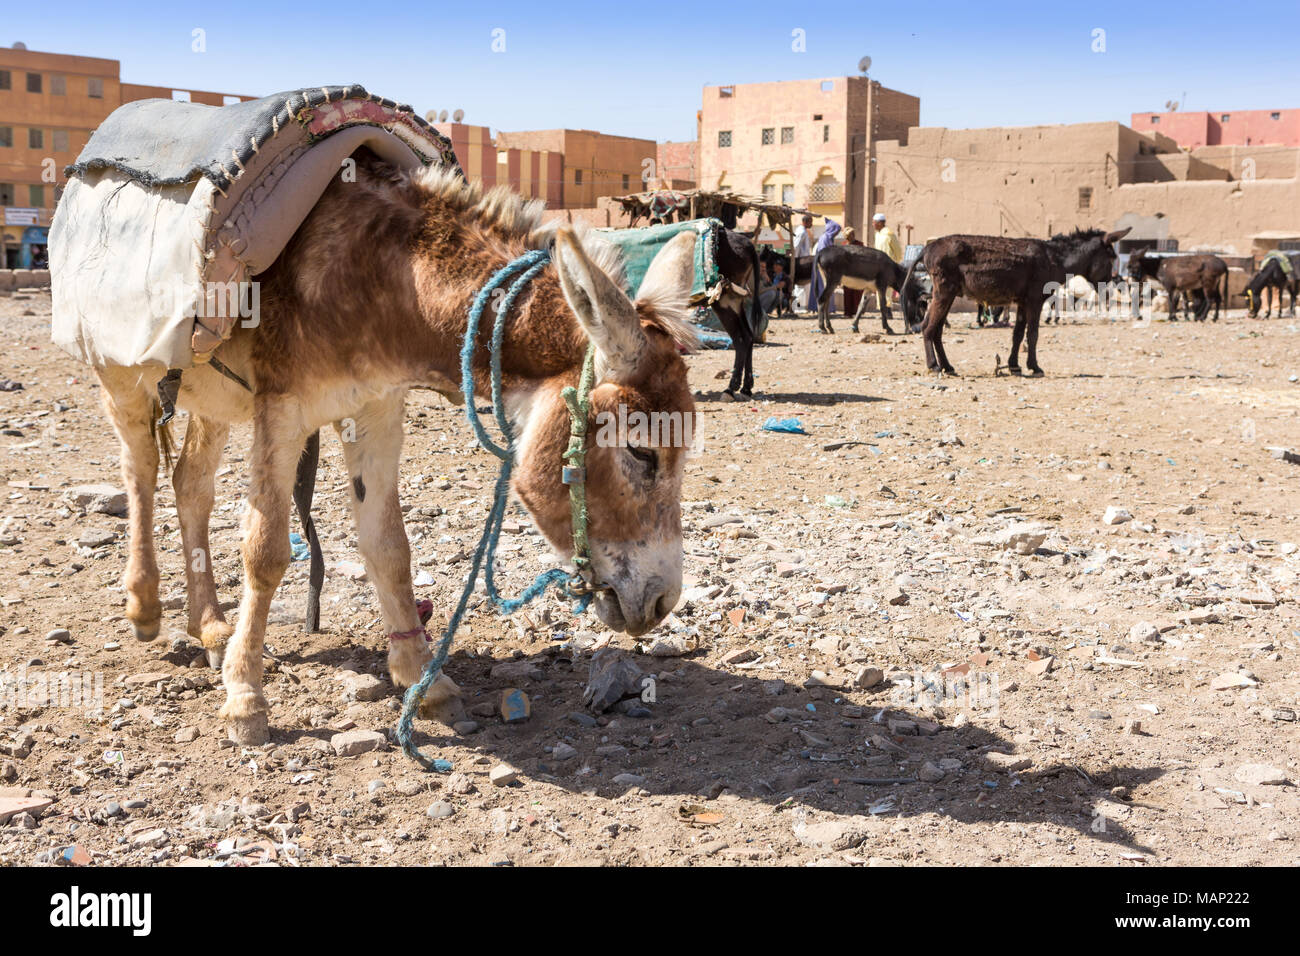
502	775
95	538
1116	515
629	780
563	752
352	743
896	596
60	635
363	687
1007	763
1041	666
868	677
440	810
1144	632
833	834
741	655
459	783
611	678
516	671
1232	680
1021	540
1260	775
929	773
581	719
465	727
187	735
98	499
1133	727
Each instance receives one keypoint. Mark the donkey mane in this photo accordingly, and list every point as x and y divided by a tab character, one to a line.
1079	235
505	213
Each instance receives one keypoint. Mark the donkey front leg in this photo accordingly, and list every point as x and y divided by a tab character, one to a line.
131	409
278	436
195	480
372	447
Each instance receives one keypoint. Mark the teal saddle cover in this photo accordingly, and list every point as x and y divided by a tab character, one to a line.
640	246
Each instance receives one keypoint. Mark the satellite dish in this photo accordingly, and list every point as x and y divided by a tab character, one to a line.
20	45
431	116
443	116
864	64
1171	105
458	116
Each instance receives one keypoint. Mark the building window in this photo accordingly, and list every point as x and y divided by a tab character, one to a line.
769	135
60	140
787	135
7	194
878	196
1155	121
724	138
828	85
6	81
1225	117
769	192
59	85
33	83
787	194
1275	116
577	177
95	88
1085	198
6	135
37	196
35	139
627	182
826	133
726	91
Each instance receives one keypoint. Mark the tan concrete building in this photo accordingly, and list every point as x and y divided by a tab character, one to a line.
594	164
807	143
49	105
536	174
1038	180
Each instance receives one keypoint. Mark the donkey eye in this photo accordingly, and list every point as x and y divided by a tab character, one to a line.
647	457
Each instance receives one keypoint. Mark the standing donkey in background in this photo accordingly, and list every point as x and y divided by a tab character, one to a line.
369	299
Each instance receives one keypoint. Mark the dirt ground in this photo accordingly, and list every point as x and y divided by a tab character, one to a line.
1121	694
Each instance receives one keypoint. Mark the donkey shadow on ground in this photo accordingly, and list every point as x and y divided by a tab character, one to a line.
708	732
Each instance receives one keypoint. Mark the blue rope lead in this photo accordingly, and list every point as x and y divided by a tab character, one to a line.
525	267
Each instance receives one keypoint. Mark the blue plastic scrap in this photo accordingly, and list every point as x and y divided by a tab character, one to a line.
791	426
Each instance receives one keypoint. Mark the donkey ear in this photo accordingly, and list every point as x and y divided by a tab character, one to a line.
671	273
1112	237
607	315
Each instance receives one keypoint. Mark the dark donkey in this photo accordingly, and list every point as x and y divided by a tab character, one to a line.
738	308
999	270
857	267
1272	275
1199	275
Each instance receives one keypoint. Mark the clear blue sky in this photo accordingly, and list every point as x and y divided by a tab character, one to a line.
636	68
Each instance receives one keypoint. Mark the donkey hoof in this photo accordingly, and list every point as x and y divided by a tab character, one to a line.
1013	370
146	632
727	396
246	713
1035	371
746	394
251	731
216	657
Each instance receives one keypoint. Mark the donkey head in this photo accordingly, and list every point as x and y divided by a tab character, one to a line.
642	417
1090	253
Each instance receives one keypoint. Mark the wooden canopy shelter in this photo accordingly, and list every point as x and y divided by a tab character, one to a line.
681	205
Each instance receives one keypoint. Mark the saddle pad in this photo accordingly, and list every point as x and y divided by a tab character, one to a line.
640	246
172	206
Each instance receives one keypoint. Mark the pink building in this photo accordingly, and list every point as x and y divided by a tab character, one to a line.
1230	128
533	173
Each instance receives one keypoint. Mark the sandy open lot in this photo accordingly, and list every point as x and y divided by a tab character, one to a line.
1119	694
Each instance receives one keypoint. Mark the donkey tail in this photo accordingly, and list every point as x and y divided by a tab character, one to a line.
756	315
161	433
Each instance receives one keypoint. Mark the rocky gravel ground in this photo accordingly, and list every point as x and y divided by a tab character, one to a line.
959	621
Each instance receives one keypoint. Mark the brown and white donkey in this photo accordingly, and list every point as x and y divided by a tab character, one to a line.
369	299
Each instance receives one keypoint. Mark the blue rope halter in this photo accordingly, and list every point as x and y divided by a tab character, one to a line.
578	401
